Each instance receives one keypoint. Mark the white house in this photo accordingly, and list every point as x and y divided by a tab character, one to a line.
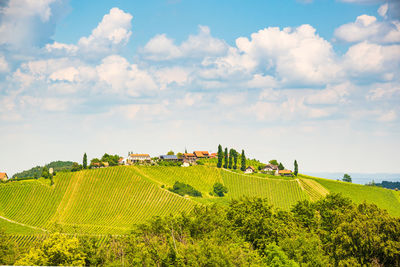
138	158
249	169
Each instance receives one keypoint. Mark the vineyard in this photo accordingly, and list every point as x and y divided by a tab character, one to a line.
112	200
279	192
383	198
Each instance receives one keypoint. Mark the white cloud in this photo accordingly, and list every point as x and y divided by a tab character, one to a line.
124	77
62	48
385	91
366	58
368	28
139	111
383	9
3	64
330	95
189	99
176	74
388	116
231	99
26	22
68	74
111	33
160	47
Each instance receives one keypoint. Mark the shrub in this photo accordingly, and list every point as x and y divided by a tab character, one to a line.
185	189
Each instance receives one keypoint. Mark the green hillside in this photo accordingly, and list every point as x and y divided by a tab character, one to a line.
384	198
111	200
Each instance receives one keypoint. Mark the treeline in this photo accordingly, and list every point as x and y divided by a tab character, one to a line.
330	232
388	185
36	172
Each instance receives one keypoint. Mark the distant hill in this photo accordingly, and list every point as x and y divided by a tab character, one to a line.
37	171
111	200
389	185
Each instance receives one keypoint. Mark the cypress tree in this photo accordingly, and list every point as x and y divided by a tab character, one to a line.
235	159
84	161
280	166
243	164
296	168
226	158
230	158
220	156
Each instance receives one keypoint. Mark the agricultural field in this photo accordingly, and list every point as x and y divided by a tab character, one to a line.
112	200
383	198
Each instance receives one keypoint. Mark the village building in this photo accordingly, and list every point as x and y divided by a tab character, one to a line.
138	158
121	161
189	157
3	176
250	169
269	168
169	157
201	154
213	155
287	173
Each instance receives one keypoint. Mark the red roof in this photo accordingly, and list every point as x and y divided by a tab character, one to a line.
3	176
188	155
201	154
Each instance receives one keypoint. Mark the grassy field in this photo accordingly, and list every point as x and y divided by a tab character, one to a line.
111	200
383	198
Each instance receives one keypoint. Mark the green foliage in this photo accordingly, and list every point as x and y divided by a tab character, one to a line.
7	249
230	162
275	257
243	163
169	163
296	168
76	167
179	155
184	189
220	156
84	163
235	159
170	152
36	172
226	158
56	250
280	166
219	189
45	173
346	178
274	162
112	160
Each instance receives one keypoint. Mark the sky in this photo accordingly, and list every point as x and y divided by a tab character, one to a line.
313	80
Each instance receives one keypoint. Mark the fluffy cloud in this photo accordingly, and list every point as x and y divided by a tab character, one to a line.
3	64
112	32
366	58
329	96
25	22
295	56
368	28
124	77
203	44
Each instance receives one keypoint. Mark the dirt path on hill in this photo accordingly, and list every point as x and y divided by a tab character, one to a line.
22	224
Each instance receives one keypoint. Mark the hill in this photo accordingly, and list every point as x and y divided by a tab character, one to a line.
37	171
111	200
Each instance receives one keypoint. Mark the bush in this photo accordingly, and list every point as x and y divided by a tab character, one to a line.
185	189
220	190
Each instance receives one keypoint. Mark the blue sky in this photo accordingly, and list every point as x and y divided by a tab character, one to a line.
315	81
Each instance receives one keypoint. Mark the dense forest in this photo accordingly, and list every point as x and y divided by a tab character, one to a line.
389	185
36	172
330	232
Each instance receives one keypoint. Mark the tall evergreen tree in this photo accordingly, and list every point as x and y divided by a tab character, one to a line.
243	163
84	163
230	158
226	158
280	166
296	168
235	159
220	156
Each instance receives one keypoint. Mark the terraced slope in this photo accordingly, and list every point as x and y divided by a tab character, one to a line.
98	201
279	192
383	198
313	189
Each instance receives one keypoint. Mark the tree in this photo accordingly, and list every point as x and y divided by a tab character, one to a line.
76	167
51	179
45	172
296	168
179	155
219	189
230	158
185	150
280	166
274	162
346	178
220	156
243	164
84	163
235	159
226	158
170	152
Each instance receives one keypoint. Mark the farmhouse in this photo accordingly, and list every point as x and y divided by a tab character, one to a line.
287	173
121	161
201	154
189	157
213	155
270	167
3	176
250	169
138	158
169	157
